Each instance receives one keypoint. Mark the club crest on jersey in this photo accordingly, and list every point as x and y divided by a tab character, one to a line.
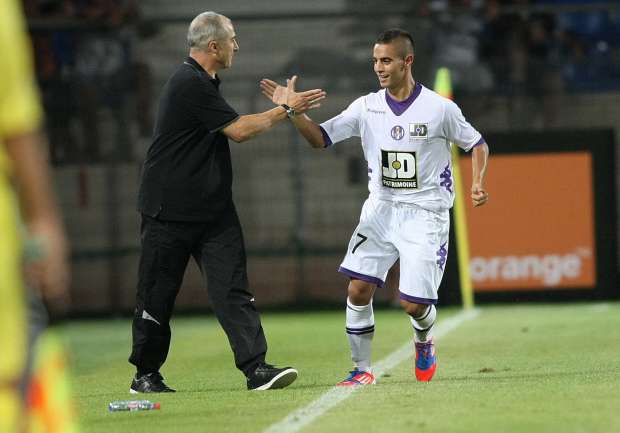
397	132
418	131
399	169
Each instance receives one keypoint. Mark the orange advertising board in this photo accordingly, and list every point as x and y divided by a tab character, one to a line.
537	230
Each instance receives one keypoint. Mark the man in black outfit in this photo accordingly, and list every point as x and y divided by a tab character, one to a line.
187	210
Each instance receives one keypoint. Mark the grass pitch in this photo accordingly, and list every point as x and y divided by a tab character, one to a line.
523	368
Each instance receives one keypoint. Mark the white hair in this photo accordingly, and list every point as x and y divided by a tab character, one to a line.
206	27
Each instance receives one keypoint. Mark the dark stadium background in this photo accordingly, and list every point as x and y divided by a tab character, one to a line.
519	69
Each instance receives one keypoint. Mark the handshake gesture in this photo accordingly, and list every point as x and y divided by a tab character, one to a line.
298	101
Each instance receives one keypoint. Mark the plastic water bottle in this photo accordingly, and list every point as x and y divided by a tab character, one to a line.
132	405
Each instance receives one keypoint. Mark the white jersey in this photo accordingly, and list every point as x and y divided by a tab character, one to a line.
408	152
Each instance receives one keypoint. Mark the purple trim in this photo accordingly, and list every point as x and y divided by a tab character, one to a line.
399	107
326	139
358	276
479	142
415	300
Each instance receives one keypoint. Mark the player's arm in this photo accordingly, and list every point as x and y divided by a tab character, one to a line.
459	131
310	130
32	176
20	115
248	126
479	161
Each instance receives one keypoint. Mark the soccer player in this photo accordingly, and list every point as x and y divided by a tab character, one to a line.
406	131
188	211
24	187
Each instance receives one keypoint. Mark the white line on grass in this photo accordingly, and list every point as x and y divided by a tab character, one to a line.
300	418
599	307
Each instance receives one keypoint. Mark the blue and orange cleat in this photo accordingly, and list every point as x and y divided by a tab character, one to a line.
425	361
358	377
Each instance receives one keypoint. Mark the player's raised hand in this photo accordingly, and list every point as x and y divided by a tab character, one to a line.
478	195
277	93
273	91
290	83
303	101
299	101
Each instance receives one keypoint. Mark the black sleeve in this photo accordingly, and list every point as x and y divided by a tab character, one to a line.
207	105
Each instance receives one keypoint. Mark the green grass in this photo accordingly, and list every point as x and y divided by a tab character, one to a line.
525	368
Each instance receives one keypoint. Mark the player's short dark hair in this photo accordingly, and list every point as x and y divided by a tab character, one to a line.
391	35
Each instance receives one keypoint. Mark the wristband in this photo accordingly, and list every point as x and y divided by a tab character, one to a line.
290	112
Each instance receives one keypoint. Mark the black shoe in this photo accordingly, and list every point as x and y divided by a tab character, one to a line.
152	382
267	376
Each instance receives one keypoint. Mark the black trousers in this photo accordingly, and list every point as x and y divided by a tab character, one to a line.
219	250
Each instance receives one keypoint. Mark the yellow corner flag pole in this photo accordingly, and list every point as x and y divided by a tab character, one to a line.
443	86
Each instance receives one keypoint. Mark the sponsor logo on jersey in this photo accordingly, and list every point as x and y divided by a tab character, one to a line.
399	169
418	131
372	110
397	132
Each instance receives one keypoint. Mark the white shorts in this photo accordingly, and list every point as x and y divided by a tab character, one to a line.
390	230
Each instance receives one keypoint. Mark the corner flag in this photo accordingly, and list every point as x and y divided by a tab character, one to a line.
443	86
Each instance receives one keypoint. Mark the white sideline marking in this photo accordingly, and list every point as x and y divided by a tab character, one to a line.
300	418
599	307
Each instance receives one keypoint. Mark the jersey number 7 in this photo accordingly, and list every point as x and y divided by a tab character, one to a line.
364	238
